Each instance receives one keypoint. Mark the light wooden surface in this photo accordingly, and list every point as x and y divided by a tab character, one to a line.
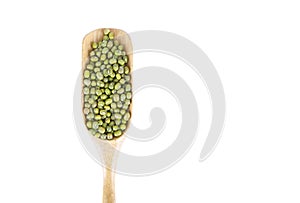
108	150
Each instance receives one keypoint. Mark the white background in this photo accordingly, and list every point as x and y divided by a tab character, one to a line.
255	47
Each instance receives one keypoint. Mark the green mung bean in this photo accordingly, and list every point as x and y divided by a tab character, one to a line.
107	88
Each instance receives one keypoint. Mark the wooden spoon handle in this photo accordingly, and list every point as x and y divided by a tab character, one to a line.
108	186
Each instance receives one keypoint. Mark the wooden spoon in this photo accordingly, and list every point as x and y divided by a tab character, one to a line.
108	150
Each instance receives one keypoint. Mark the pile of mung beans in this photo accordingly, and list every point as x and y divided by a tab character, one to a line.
107	88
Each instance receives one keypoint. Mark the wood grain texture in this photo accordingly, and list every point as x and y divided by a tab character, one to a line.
108	150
